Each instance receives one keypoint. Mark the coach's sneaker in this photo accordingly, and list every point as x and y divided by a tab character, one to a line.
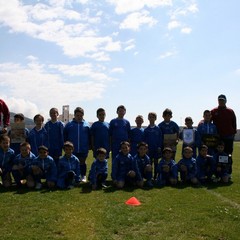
38	186
84	179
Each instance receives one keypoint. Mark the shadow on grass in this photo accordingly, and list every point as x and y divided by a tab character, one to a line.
218	185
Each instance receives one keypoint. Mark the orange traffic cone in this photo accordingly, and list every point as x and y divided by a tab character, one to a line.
133	201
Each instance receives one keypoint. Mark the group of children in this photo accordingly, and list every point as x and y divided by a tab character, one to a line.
135	152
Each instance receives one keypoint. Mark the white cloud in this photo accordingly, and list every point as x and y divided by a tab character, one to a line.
168	54
117	70
186	30
174	24
135	20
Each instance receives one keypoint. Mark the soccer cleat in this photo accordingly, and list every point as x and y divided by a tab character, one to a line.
38	186
84	179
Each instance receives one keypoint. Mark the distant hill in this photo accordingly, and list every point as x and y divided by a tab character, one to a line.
28	121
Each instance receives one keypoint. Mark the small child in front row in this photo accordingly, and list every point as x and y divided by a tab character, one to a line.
122	167
43	167
22	162
143	166
68	168
223	163
7	156
187	167
205	165
167	169
99	169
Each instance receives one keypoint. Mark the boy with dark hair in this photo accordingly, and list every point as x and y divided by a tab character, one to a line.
119	130
6	161
77	131
68	168
99	169
100	133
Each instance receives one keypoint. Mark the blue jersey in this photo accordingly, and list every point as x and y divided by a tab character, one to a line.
136	136
100	136
139	165
121	165
191	165
205	167
66	165
163	176
79	134
6	159
119	130
55	138
223	161
98	167
153	137
37	138
24	161
207	128
48	166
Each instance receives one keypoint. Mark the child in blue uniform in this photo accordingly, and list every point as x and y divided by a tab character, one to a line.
136	135
167	169
99	169
208	132
22	162
7	156
223	163
68	168
38	135
143	167
78	132
119	130
100	133
190	136
205	165
122	166
153	137
170	131
43	167
55	139
187	167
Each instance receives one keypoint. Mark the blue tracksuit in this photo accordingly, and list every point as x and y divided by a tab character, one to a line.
153	137
37	138
121	165
163	177
6	161
100	136
48	166
79	134
205	167
98	168
26	162
55	138
136	136
224	165
139	167
66	165
119	130
191	165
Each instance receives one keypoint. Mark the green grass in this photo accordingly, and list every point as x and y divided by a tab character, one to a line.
211	212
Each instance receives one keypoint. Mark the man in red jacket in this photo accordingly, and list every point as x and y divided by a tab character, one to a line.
5	121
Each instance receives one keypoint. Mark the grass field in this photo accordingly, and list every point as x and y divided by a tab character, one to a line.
211	212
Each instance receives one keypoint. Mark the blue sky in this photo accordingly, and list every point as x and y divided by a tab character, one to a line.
145	54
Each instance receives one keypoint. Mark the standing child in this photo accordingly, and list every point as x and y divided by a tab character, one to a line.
6	160
122	166
22	163
100	133
54	129
205	165
78	132
99	169
38	135
170	131
68	168
167	169
153	137
208	132
143	167
119	130
187	167
15	145
43	167
190	137
136	135
223	163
